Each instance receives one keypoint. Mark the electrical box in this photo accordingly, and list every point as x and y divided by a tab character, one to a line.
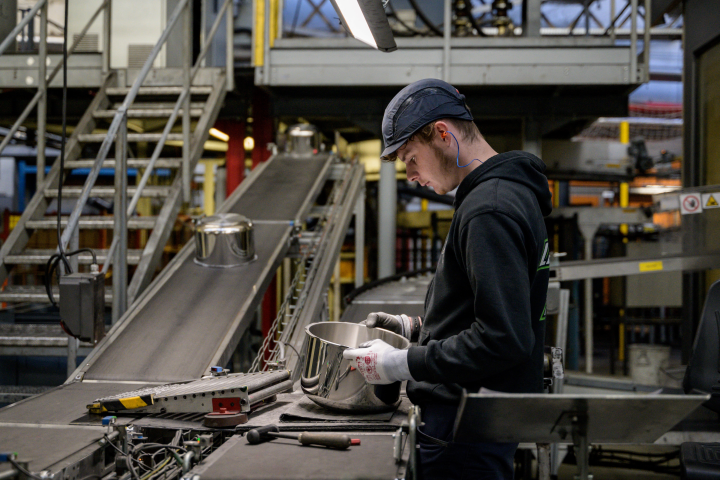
82	305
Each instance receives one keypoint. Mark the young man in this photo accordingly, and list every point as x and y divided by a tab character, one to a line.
484	311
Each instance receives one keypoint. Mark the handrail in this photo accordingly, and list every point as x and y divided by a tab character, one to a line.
23	23
39	95
115	125
168	127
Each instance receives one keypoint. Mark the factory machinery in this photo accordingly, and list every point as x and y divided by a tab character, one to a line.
153	400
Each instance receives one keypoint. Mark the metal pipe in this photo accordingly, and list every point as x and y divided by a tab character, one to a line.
646	41
20	26
115	125
187	65
107	25
387	200
72	355
633	40
229	47
119	281
42	105
360	240
612	21
446	40
588	312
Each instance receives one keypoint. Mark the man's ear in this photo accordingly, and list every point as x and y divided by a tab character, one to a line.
442	129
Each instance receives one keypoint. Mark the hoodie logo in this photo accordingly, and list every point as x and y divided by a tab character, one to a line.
545	261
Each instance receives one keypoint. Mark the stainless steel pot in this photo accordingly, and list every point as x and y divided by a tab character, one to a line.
329	381
224	240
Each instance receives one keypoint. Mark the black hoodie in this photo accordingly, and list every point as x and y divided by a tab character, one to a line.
485	309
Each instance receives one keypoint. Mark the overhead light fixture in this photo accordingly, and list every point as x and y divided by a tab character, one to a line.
249	143
367	21
219	135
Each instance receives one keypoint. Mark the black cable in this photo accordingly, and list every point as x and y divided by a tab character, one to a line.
22	470
410	29
62	145
425	19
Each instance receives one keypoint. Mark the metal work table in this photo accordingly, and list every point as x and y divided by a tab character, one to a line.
287	459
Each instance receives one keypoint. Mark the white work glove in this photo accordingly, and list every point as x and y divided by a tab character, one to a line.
379	362
408	327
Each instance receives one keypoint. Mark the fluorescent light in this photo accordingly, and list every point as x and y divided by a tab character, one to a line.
219	135
355	20
367	21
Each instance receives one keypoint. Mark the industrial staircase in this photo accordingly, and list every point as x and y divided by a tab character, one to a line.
155	103
134	111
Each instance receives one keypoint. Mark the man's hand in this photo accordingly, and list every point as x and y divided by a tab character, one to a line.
403	325
379	362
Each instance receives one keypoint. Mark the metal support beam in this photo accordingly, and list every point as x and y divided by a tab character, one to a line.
446	40
42	103
588	312
119	281
360	240
387	204
187	65
107	16
633	40
531	19
230	47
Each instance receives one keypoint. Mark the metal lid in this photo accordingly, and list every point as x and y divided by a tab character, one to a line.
224	223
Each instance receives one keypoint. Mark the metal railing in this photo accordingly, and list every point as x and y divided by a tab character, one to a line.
117	132
40	98
118	128
483	19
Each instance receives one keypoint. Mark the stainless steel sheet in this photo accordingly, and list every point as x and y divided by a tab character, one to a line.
177	332
542	418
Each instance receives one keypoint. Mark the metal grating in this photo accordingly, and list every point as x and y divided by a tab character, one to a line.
89	43
138	55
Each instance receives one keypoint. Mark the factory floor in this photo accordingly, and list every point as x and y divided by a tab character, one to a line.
568	472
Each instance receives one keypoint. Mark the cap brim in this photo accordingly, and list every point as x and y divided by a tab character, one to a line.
394	147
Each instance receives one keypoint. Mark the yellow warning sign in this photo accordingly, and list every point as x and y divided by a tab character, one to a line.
650	266
711	200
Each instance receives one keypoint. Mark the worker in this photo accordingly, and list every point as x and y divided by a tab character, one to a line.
485	308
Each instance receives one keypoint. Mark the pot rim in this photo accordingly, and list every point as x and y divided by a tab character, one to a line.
309	333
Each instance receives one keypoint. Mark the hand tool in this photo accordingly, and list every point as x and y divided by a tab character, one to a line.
331	440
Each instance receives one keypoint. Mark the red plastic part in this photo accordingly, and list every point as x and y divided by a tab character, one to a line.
354	441
226	406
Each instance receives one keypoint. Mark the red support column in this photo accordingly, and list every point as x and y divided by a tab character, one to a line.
235	157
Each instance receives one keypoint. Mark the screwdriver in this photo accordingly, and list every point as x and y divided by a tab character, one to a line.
331	440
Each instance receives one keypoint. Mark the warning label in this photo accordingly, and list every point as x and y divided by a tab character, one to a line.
690	203
711	200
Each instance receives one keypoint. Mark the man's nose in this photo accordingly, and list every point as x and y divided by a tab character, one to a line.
411	175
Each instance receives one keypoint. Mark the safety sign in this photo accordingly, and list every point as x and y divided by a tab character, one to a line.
690	203
711	200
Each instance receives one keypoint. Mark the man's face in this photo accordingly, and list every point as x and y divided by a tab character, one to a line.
426	164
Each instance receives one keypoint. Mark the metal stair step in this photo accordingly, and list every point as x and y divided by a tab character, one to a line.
147	113
41	256
98	222
169	90
159	105
36	294
152	191
132	137
131	162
